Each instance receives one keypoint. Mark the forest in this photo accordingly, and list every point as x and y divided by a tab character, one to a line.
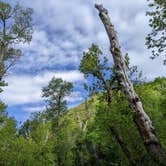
120	122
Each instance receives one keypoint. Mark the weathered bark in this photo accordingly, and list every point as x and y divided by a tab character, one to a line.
142	120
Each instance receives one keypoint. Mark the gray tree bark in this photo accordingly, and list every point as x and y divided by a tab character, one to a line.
141	119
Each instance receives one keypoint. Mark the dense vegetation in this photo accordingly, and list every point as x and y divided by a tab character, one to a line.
103	130
83	136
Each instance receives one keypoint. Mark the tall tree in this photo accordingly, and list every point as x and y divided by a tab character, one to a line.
142	120
96	68
55	94
156	40
15	28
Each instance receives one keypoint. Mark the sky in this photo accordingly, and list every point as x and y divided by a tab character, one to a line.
63	29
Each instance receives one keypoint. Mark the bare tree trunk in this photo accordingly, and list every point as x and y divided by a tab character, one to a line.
142	120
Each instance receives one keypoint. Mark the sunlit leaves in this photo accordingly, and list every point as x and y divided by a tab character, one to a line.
156	40
55	94
15	27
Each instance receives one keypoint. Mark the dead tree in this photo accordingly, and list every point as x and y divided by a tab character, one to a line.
141	119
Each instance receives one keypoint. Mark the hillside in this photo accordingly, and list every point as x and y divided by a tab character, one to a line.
87	134
93	124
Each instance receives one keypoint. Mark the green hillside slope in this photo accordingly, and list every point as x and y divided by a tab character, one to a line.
87	134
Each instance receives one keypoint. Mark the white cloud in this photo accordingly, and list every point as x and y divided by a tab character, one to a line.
75	97
44	53
24	89
63	30
71	99
150	68
34	109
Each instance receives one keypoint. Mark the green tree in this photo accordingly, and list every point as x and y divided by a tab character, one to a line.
35	142
96	67
55	94
7	135
156	40
102	80
15	28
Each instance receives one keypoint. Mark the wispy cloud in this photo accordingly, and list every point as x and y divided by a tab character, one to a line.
34	109
73	99
24	89
63	30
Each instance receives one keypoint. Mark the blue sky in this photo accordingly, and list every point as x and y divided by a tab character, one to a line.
63	30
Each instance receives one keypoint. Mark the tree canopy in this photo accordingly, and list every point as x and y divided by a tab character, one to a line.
15	27
156	40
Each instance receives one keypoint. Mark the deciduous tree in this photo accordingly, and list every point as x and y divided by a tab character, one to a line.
15	27
55	94
156	40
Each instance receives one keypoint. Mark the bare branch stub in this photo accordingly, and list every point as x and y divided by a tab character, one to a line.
101	8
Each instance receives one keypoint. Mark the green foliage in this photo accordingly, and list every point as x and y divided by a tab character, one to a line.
156	40
101	78
36	144
15	27
20	27
94	64
134	74
82	136
92	57
55	94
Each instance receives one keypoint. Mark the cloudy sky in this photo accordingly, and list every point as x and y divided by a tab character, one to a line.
63	30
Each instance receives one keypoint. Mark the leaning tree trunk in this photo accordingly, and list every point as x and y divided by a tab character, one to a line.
142	120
